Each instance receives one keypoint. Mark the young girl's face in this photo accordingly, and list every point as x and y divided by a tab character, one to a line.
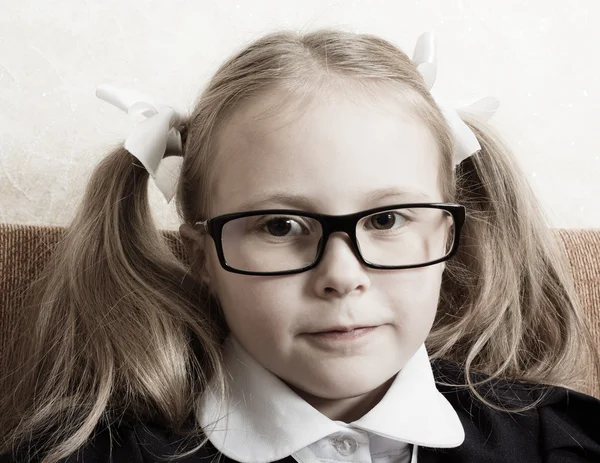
339	156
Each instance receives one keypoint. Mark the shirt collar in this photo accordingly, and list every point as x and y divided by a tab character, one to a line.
263	420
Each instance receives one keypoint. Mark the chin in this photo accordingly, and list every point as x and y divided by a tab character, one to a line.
342	386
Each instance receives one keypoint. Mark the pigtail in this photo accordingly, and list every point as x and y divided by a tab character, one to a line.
508	306
112	326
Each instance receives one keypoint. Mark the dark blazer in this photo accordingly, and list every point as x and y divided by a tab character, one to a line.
564	427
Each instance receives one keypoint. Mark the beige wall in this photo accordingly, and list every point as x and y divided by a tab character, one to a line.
537	56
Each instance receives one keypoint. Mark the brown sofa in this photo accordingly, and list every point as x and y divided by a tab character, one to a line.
24	249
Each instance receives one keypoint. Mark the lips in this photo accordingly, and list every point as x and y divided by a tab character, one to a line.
343	329
351	336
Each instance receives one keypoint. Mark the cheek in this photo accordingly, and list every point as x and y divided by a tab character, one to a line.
260	302
254	308
414	294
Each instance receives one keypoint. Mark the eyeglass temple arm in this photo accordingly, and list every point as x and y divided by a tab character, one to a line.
204	224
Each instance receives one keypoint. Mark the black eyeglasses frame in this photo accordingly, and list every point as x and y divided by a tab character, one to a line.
332	224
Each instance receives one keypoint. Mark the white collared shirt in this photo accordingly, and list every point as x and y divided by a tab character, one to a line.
263	420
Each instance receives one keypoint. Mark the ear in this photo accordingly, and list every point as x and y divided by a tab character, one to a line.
194	241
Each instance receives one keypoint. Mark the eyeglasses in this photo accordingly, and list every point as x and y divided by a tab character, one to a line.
287	241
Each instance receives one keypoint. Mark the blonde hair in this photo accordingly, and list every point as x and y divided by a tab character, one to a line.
116	325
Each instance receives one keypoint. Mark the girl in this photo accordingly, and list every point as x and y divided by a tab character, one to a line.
356	291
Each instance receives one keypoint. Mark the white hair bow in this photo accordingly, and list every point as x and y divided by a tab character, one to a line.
151	138
466	143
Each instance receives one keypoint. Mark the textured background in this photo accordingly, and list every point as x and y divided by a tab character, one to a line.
536	56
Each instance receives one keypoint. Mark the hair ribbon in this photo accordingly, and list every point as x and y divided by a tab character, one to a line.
153	137
466	143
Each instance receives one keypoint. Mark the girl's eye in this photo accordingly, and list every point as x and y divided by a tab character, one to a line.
386	220
284	226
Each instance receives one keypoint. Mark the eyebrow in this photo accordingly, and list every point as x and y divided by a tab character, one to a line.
258	201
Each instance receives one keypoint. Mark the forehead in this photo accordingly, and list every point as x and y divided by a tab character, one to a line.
334	152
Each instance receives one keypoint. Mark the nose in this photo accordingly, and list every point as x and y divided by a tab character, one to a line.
340	271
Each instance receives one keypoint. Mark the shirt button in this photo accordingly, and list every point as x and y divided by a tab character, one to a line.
345	445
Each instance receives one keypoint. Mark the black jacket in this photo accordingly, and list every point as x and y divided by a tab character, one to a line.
564	427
